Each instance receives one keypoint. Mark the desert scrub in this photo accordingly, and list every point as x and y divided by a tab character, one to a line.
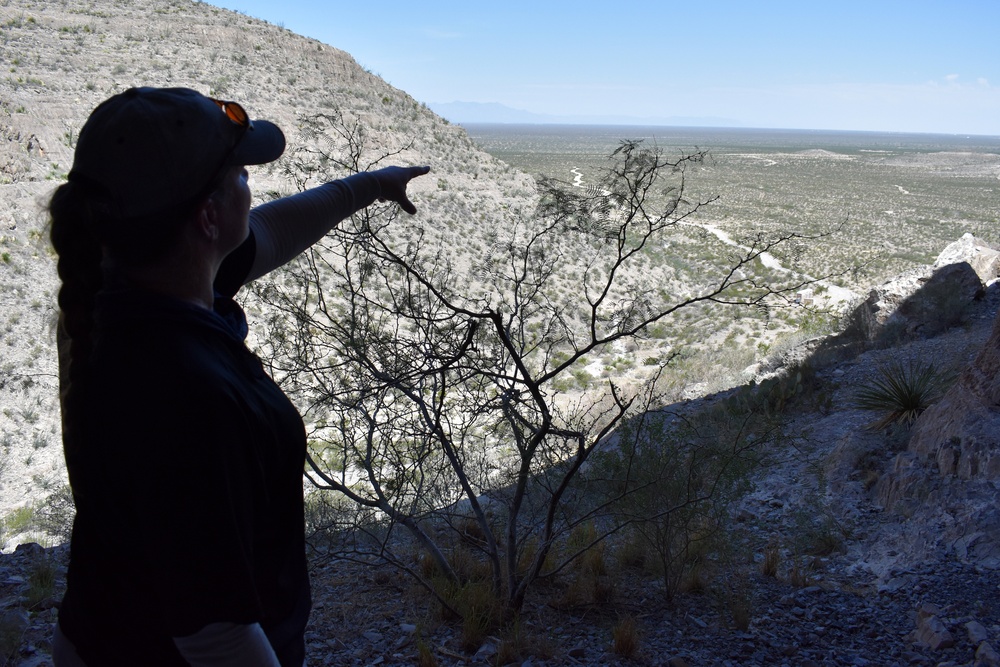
41	582
901	391
54	515
673	480
18	521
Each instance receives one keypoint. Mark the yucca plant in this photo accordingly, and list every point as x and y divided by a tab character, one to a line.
901	391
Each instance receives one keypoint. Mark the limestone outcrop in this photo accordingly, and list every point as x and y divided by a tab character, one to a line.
983	258
927	300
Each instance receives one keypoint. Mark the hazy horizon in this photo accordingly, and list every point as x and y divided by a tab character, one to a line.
987	140
855	65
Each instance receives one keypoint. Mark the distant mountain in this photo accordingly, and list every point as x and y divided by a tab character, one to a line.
492	112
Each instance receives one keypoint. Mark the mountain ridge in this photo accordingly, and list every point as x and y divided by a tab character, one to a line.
67	57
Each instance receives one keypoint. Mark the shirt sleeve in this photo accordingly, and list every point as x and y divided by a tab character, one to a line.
285	227
228	644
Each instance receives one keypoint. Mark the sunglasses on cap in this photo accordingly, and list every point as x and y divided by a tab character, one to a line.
235	113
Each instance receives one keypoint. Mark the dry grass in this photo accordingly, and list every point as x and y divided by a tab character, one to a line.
625	637
425	656
797	576
772	558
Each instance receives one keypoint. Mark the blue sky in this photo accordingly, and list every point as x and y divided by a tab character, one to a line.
881	65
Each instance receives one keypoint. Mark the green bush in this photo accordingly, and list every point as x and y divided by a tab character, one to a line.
18	521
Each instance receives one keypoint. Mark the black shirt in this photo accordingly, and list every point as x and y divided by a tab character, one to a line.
188	483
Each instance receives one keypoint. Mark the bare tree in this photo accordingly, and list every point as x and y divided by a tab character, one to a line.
430	386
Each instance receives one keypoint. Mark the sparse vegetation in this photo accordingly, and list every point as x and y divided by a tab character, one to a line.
18	521
625	637
675	478
772	180
41	582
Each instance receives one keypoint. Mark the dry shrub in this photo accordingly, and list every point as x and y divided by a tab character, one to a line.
528	554
41	582
427	566
633	552
741	611
735	598
772	558
516	645
480	610
584	539
604	590
797	576
425	656
579	591
676	478
625	635
470	531
693	579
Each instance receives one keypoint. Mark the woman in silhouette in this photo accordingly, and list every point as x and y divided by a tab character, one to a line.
184	457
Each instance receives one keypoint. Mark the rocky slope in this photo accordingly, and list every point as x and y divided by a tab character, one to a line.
887	584
66	57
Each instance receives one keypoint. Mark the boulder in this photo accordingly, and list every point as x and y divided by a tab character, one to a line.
942	299
931	630
928	299
986	656
982	257
977	632
873	314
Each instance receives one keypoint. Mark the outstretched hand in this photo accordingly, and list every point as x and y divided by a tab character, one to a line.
392	182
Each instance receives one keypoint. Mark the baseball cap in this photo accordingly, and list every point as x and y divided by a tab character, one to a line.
148	151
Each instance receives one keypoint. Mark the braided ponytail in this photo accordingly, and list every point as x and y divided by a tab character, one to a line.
79	269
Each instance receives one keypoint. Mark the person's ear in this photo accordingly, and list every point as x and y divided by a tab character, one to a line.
206	219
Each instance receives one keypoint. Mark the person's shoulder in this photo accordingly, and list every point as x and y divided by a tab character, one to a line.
167	358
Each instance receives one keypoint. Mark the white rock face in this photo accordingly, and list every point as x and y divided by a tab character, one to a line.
929	299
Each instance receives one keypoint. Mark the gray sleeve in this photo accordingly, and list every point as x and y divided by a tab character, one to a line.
227	645
285	227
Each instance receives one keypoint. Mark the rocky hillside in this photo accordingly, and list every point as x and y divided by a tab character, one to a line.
64	58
